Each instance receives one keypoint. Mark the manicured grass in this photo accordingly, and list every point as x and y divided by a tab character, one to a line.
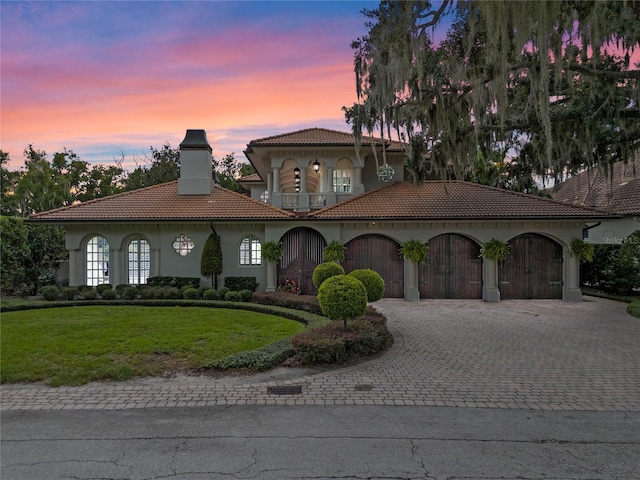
634	309
76	345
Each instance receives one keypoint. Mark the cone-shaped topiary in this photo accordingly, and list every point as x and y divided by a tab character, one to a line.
211	261
372	281
342	297
324	271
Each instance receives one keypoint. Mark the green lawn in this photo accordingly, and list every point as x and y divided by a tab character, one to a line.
76	345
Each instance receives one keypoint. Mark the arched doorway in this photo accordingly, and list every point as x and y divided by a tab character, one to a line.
302	252
379	253
533	268
453	268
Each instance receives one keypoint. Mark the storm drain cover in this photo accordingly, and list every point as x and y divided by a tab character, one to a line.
285	390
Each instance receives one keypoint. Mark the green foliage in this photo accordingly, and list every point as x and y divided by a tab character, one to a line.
334	252
271	251
102	287
495	250
228	170
290	286
615	268
324	271
89	294
634	309
190	293
121	287
30	255
582	250
161	167
232	296
241	283
372	281
223	291
245	295
257	360
414	250
108	294
201	290
342	297
129	293
171	293
69	293
211	261
177	282
51	293
210	294
307	303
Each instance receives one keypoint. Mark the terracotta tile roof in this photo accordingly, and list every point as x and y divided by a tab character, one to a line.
617	191
322	136
450	200
254	177
162	203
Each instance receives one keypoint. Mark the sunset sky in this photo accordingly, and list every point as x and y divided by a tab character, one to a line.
104	78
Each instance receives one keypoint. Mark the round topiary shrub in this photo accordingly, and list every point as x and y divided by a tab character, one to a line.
190	293
201	291
342	297
147	293
102	287
89	294
223	291
108	294
51	293
245	295
70	293
324	271
120	288
172	293
210	294
232	297
372	281
129	293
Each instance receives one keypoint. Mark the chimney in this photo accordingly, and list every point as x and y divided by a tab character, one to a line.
196	165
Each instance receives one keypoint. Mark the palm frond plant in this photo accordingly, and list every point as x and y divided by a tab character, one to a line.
272	251
582	250
334	252
414	250
495	250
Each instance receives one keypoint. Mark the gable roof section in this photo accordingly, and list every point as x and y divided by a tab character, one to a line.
162	203
617	192
450	200
322	136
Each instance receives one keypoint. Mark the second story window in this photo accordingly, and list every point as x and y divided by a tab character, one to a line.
342	181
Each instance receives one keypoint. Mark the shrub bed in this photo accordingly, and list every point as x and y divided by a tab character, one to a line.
307	303
237	284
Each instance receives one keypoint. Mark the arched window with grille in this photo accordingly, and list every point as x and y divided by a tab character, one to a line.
138	261
97	261
250	251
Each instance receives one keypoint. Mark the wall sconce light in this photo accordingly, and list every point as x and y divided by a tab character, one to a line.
297	188
296	172
316	166
297	180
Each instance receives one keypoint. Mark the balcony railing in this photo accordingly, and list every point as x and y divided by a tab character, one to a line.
305	201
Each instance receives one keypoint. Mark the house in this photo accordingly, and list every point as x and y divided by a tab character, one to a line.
314	186
616	191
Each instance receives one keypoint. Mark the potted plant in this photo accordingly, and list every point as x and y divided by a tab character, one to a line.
272	251
581	250
414	250
334	252
495	250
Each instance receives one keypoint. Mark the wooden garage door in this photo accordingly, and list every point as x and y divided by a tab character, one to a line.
302	252
533	268
379	253
453	268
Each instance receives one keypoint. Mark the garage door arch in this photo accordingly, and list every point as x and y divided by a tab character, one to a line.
533	268
453	268
379	253
302	249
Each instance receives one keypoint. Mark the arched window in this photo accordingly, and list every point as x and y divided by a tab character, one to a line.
250	251
138	261
97	261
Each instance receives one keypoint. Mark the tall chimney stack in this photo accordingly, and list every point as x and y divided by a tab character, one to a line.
196	165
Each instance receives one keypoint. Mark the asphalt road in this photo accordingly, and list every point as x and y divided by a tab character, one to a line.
315	442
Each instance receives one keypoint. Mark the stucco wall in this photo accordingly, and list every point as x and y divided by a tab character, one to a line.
613	231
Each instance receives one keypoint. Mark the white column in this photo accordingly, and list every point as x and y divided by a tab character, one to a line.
411	290
329	179
155	265
270	183
271	276
115	267
571	289
490	289
276	179
303	180
73	268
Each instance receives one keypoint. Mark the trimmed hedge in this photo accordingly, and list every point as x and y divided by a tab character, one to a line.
129	293
177	282
70	293
210	294
190	293
258	360
89	294
236	284
108	294
342	298
307	303
102	287
51	293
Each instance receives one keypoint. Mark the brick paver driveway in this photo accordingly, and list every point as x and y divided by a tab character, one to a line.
527	354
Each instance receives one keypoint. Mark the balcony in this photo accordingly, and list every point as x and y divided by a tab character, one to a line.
305	201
